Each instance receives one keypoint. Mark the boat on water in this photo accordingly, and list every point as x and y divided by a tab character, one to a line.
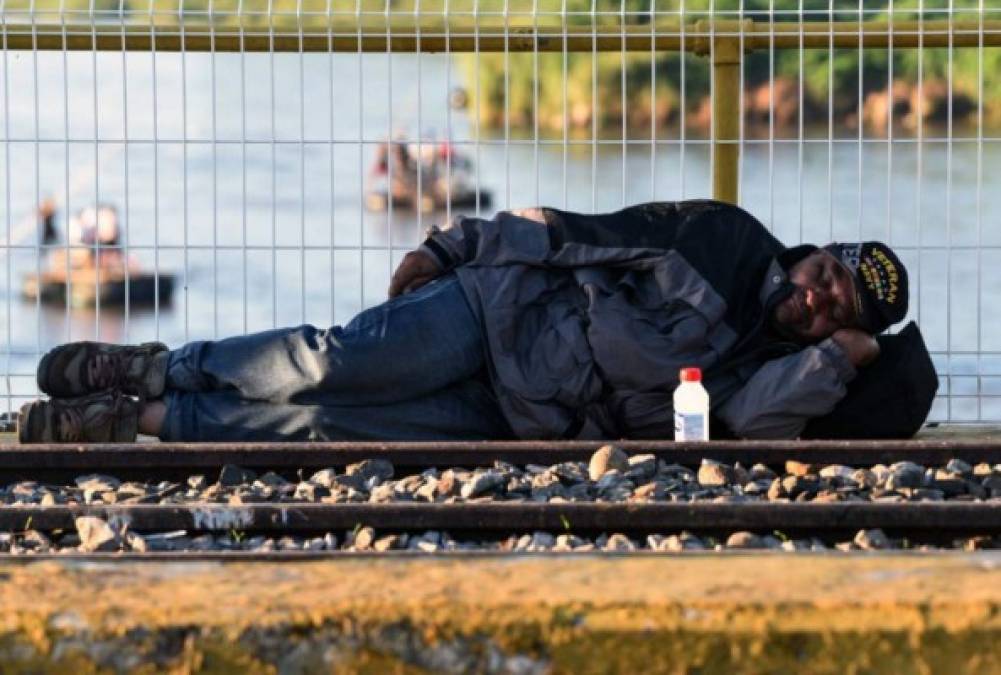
422	176
87	288
92	269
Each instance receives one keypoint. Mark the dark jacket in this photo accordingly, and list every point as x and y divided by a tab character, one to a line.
589	318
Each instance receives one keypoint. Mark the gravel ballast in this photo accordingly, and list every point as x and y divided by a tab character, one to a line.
611	476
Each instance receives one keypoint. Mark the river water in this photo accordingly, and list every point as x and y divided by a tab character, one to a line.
266	226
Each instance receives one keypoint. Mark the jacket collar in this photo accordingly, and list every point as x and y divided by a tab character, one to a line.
776	286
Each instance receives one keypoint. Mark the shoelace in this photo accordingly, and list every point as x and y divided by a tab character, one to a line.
70	427
113	367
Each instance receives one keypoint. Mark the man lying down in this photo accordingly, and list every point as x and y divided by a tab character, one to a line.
536	324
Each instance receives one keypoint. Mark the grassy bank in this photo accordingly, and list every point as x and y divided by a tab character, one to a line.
607	91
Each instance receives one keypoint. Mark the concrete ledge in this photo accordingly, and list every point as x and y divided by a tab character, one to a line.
746	613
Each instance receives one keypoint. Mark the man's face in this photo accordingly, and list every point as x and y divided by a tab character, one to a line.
822	303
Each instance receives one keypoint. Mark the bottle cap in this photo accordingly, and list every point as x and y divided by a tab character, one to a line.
691	374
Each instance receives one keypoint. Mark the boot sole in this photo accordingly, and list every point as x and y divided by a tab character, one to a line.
31	422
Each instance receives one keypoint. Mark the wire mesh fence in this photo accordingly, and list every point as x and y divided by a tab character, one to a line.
188	171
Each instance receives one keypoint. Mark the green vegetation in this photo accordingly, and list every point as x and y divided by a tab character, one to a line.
830	78
580	91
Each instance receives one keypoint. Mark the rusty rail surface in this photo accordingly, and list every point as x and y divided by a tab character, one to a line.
493	518
40	462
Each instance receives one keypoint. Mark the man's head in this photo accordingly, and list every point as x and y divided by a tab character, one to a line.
861	286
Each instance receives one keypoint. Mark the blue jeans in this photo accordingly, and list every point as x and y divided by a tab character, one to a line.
412	368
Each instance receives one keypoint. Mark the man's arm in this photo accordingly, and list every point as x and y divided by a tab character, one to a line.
540	236
550	236
784	394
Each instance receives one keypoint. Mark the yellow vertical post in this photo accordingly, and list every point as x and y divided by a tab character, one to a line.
726	56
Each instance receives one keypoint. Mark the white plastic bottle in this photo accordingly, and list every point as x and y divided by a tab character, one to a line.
691	407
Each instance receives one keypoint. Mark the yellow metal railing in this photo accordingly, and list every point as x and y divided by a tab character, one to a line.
723	41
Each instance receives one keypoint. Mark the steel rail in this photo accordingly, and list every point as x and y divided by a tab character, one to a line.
491	518
463	34
989	556
36	460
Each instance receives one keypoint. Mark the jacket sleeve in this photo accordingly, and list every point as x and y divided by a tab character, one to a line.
542	236
785	393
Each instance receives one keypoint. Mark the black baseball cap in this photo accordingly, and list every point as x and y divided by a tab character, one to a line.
881	291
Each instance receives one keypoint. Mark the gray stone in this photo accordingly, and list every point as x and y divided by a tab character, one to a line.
346	482
606	458
311	492
569	473
205	542
745	540
772	543
541	541
676	471
794	486
959	467
776	490
837	471
97	482
382	493
482	483
232	475
289	544
449	484
619	542
96	534
872	540
523	543
427	491
391	542
641	467
325	477
132	489
761	472
136	542
34	540
975	490
686	541
568	542
881	471
905	474
992	484
272	480
314	544
950	484
426	546
714	474
649	492
610	479
740	474
865	478
368	468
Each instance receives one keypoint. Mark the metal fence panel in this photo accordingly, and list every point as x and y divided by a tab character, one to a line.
239	142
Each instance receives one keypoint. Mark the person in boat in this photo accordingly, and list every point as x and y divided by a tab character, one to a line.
94	238
535	324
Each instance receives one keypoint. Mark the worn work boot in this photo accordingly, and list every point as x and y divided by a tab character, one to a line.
81	368
107	417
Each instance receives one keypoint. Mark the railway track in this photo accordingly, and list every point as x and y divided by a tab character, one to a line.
56	461
711	519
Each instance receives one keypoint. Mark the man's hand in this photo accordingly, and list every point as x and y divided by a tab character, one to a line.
861	348
416	269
